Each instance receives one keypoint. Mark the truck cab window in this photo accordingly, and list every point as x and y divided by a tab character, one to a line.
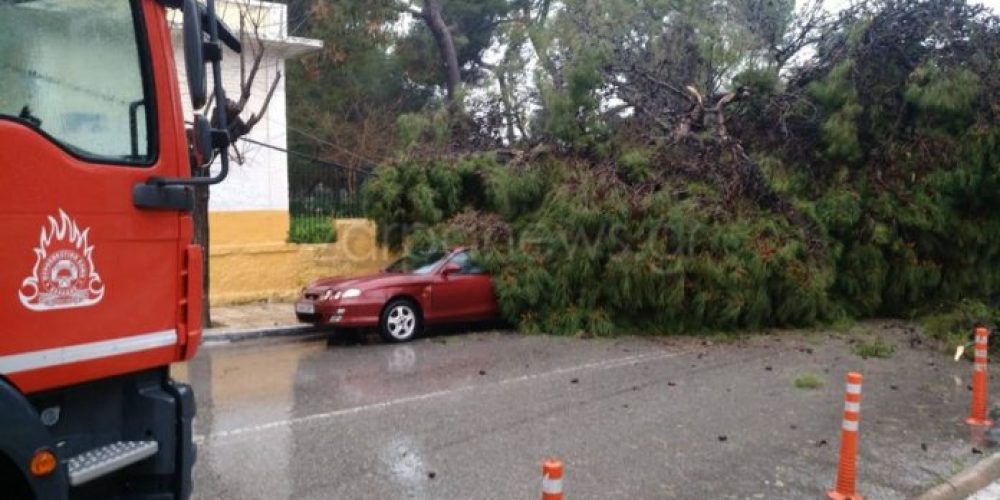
73	70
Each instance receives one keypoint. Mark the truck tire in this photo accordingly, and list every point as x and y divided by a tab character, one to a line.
12	482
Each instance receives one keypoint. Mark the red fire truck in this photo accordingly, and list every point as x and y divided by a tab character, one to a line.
100	285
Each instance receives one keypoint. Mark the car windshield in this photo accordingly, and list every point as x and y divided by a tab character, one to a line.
417	262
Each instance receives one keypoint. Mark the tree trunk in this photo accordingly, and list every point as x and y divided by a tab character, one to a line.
200	216
446	47
508	107
536	36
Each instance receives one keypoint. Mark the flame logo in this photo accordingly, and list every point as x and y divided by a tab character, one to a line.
64	274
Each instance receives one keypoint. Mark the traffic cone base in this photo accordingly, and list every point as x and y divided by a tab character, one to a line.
979	422
833	495
552	479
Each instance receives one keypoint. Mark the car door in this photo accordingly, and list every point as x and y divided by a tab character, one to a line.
465	295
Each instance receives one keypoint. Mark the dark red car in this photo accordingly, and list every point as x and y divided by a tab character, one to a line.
420	288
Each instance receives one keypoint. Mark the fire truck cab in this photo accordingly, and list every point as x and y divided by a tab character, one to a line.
100	284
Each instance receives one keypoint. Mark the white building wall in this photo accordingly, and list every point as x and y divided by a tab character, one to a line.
261	181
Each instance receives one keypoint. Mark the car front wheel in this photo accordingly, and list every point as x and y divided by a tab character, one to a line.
400	321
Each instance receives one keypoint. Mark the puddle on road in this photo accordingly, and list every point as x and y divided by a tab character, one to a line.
238	386
405	464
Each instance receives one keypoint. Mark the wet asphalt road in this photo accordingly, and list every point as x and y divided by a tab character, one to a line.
472	416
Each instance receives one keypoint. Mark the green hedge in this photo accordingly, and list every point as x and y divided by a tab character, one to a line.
311	229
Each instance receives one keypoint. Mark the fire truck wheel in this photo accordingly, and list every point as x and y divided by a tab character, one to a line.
12	483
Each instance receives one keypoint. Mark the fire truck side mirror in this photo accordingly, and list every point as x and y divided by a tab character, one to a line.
194	55
201	142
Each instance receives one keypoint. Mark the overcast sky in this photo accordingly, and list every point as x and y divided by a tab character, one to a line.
839	4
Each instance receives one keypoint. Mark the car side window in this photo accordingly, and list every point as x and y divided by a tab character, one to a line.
464	260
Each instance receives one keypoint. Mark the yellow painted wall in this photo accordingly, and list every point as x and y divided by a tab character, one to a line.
247	228
251	261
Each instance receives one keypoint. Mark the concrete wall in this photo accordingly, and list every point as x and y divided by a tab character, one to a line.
250	260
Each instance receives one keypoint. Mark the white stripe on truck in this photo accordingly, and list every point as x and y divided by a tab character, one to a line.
46	358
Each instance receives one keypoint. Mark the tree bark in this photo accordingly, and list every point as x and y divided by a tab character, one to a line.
540	46
507	100
446	46
200	218
507	107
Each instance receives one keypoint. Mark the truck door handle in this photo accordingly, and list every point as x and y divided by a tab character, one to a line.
162	197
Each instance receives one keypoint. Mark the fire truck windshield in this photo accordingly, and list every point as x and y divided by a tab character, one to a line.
74	70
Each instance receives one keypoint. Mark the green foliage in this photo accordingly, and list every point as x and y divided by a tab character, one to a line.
877	188
808	381
944	98
953	324
760	84
836	93
877	348
514	193
344	100
635	165
768	19
428	128
586	256
570	115
415	193
311	229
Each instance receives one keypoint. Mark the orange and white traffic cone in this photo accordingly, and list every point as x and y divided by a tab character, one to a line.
552	479
847	468
980	383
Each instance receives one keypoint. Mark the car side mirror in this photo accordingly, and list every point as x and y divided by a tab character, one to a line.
451	268
194	55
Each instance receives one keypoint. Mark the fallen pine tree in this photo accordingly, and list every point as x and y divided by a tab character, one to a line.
864	181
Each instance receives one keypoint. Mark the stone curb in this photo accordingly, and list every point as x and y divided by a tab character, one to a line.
241	334
967	482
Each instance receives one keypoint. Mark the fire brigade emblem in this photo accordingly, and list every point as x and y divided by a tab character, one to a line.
64	274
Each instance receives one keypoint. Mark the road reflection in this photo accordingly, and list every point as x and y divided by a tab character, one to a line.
249	395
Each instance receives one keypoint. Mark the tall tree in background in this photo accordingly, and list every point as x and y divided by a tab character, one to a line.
382	60
343	102
671	61
462	31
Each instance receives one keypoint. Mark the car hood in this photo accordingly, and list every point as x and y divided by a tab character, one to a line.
369	282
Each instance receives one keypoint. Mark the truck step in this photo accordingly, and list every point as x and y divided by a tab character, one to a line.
98	462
